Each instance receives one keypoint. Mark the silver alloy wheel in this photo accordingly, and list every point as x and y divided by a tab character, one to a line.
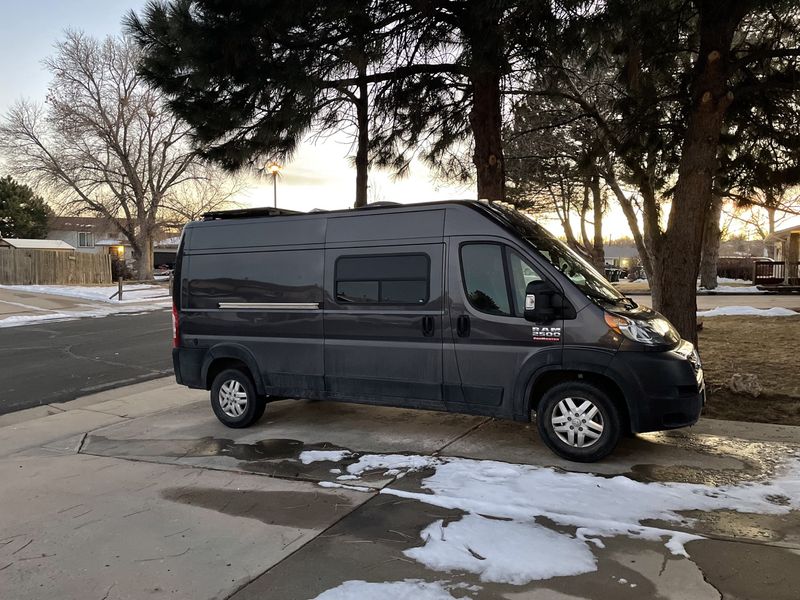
577	422
232	398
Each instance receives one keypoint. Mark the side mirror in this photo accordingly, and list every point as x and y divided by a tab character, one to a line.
543	303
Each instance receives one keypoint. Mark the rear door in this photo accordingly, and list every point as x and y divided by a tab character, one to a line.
383	323
492	342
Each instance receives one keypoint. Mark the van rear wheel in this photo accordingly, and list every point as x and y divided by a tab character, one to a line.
578	421
234	399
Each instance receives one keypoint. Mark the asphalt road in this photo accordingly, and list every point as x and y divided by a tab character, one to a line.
58	362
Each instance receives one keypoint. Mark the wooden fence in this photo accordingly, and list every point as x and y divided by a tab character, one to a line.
53	267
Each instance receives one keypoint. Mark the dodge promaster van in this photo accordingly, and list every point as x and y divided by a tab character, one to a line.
465	306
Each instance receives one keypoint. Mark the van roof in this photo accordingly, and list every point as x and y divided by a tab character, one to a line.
244	213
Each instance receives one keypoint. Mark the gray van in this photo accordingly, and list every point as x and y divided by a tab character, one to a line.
461	306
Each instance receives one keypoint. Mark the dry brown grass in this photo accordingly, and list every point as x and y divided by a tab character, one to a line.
768	347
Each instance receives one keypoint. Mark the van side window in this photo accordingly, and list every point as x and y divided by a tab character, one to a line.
484	278
383	279
489	290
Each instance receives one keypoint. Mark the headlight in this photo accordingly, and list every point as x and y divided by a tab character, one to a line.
653	332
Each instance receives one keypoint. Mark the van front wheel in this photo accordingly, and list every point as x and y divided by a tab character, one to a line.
578	421
234	399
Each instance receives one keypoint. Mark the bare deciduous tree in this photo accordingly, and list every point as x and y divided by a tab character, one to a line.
104	142
210	189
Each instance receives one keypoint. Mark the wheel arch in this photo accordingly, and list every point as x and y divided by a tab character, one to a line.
225	356
545	379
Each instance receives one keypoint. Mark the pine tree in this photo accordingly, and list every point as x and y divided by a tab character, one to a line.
23	214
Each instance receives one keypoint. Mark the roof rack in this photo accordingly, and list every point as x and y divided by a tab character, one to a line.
243	213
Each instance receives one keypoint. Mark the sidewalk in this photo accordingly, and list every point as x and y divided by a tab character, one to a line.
140	492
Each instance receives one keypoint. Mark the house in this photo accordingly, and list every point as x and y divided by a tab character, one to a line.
83	233
784	271
786	242
91	235
28	244
621	254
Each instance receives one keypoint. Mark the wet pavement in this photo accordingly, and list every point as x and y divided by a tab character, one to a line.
156	499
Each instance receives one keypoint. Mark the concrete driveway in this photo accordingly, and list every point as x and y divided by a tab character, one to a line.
140	492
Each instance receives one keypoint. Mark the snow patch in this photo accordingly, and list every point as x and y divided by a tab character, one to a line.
499	534
734	289
130	293
309	456
598	507
409	589
98	312
391	463
528	551
333	484
747	311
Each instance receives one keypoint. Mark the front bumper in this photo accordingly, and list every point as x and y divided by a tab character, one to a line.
663	390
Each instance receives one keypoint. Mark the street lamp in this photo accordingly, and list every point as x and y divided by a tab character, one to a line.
274	169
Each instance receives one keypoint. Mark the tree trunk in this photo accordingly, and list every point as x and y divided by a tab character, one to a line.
486	123
485	42
678	259
771	217
711	240
598	249
143	257
362	152
633	223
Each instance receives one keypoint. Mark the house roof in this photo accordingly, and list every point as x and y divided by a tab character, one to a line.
28	244
169	242
783	232
79	223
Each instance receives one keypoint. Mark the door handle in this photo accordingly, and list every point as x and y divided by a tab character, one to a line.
427	326
462	326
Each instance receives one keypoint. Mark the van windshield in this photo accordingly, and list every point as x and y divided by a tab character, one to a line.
563	258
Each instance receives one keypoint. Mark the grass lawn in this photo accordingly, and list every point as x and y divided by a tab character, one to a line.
768	347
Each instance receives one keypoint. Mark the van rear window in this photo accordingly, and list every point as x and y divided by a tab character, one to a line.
383	279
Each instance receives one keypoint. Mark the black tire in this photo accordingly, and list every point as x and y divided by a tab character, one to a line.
578	392
253	408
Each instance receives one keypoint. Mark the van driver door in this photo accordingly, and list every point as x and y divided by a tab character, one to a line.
492	343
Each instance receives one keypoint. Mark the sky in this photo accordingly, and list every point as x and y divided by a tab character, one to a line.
319	175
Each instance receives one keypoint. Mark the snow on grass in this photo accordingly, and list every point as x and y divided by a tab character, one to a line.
733	289
409	589
747	311
471	544
309	456
130	293
95	312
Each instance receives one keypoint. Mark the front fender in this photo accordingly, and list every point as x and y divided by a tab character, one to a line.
595	361
546	360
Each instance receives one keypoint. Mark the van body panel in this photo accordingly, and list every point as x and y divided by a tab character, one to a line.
239	298
254	233
397	225
384	349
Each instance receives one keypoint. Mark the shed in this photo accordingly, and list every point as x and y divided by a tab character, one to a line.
29	244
